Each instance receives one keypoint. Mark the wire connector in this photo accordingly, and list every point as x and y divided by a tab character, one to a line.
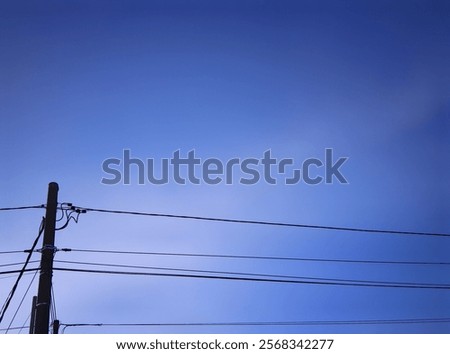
67	211
46	248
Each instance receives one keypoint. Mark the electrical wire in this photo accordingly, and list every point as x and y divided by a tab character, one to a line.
10	252
18	271
265	280
53	306
22	300
266	223
236	273
15	264
12	328
68	211
259	323
13	276
23	207
21	273
253	257
24	323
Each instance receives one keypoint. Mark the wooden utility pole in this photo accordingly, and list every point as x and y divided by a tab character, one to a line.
33	315
48	251
56	325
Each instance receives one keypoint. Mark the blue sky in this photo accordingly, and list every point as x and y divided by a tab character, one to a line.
81	81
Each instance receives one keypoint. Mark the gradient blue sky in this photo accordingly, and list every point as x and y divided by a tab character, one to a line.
82	80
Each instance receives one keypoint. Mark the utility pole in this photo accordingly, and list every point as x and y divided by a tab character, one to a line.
33	315
47	254
56	325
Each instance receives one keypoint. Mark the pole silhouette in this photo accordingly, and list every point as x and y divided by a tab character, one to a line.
47	254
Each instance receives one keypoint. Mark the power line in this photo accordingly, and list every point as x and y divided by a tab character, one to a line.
22	300
24	323
53	306
18	263
18	271
267	223
12	328
286	281
21	272
10	252
23	207
13	276
253	257
260	323
236	273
